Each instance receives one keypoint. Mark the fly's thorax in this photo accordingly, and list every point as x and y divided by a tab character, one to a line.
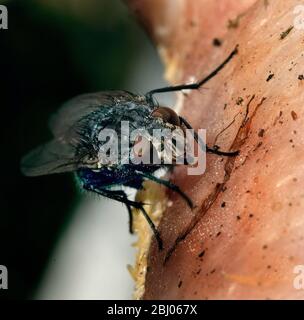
134	133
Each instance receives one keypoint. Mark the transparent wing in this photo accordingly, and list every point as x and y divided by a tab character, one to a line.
80	106
59	155
52	157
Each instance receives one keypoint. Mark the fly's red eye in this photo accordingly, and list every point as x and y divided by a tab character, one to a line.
167	115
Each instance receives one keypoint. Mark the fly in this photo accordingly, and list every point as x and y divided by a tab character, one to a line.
76	145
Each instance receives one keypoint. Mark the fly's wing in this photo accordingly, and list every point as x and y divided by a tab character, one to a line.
52	157
59	155
79	107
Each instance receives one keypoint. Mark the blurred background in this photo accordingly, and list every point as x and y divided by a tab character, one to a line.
56	241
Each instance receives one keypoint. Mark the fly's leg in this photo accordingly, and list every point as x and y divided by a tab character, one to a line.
139	205
130	218
193	86
214	150
121	196
169	185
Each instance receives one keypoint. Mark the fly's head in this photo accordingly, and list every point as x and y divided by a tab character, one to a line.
164	142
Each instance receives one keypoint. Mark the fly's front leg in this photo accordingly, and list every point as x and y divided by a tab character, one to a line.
192	86
214	150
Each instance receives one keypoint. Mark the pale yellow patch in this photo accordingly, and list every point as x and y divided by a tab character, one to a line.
154	195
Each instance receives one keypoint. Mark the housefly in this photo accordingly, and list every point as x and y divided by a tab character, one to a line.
76	145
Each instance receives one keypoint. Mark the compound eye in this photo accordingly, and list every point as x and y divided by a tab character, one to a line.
167	115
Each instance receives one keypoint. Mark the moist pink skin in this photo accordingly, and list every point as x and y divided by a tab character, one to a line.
246	235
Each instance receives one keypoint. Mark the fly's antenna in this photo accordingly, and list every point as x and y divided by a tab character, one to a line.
192	86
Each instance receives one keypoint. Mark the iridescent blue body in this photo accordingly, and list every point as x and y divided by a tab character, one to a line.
124	175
